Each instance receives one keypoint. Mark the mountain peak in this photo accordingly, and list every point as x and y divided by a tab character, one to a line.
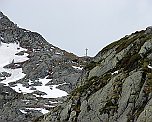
41	75
38	78
148	30
116	86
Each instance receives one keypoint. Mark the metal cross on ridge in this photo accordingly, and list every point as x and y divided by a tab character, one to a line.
86	52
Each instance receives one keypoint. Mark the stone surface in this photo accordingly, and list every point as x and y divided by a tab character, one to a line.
146	115
117	89
146	47
116	86
44	61
148	30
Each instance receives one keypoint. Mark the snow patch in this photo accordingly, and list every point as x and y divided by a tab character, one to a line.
23	111
7	55
116	72
150	67
53	47
49	106
2	38
53	102
42	110
57	53
78	68
21	89
16	74
52	92
8	51
26	101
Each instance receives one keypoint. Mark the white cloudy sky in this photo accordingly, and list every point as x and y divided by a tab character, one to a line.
74	25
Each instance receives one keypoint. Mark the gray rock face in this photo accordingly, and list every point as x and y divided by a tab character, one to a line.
116	88
145	48
146	113
148	30
45	62
109	62
9	111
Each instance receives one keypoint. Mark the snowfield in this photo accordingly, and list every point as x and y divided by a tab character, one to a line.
8	56
77	68
149	66
16	74
8	51
50	92
42	110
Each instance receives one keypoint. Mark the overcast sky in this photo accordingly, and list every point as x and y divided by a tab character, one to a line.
75	25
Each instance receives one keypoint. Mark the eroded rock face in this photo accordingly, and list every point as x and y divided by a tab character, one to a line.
117	86
146	113
36	68
148	30
8	99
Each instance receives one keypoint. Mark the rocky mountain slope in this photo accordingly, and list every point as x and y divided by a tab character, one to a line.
34	75
117	85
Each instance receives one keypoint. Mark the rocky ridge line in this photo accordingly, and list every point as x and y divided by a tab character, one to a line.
117	86
45	62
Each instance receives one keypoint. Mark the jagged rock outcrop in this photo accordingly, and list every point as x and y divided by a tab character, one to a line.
117	86
36	68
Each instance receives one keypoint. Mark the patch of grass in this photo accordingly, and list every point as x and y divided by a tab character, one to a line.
124	43
90	65
144	65
129	62
148	86
92	85
108	107
149	82
87	85
149	75
127	40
